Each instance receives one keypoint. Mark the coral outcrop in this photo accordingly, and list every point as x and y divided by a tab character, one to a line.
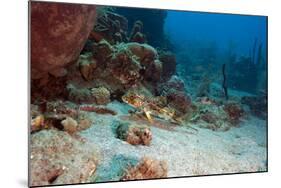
134	134
147	169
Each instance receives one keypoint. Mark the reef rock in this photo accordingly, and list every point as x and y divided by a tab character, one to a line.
58	34
147	169
55	157
134	134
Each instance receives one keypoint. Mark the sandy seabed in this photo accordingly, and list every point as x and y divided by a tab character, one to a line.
187	152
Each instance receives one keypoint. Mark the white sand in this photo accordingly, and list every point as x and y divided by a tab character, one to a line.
240	149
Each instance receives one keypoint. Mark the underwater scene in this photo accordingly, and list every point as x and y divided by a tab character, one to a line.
123	94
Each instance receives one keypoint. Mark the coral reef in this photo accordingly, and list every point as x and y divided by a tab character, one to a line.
134	134
147	169
59	115
55	157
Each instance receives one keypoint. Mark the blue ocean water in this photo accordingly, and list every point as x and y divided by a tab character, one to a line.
242	30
